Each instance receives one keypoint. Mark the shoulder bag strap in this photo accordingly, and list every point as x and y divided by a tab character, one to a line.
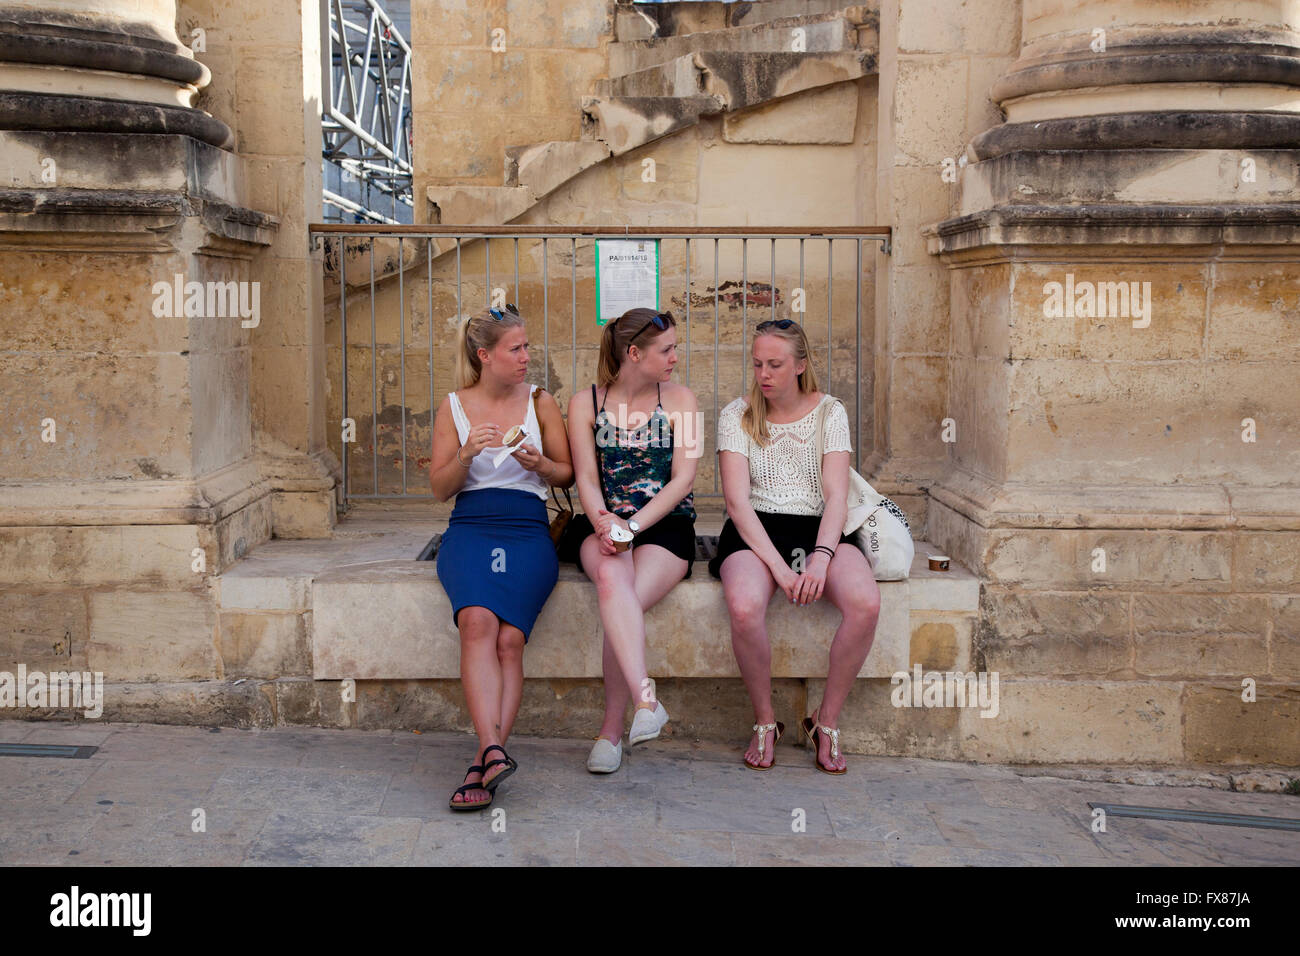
821	440
595	412
554	497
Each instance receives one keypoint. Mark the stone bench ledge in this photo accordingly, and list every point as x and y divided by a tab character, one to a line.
392	620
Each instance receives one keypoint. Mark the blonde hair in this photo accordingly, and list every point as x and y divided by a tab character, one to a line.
619	334
480	331
754	419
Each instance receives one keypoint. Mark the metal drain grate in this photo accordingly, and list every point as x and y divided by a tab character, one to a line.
1198	816
46	750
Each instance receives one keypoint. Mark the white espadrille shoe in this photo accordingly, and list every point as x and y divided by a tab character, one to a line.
647	723
605	757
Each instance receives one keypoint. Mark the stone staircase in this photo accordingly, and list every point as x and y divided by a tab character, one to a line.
695	60
844	28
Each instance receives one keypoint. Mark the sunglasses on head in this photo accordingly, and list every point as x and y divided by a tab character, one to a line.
781	324
499	315
656	320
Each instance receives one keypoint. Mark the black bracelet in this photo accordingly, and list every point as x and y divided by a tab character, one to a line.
822	547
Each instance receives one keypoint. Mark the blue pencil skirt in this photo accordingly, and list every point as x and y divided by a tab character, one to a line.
497	553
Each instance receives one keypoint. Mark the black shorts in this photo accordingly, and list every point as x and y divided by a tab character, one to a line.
787	532
674	532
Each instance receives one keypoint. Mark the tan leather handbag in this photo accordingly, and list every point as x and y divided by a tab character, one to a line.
563	515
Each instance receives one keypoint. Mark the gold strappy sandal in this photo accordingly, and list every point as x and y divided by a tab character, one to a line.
811	728
763	730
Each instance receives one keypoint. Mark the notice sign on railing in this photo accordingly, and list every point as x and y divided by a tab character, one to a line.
627	276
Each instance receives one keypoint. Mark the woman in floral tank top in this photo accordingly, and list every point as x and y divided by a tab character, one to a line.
630	436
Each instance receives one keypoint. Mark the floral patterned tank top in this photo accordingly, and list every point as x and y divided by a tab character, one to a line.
635	464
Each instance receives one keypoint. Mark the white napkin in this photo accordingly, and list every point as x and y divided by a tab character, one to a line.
509	450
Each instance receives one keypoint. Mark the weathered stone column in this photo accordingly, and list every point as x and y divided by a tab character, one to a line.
112	67
936	64
127	270
1128	74
1125	301
266	64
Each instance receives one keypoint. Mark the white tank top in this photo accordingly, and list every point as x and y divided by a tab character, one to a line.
511	474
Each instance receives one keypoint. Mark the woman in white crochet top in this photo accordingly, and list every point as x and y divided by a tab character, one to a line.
784	530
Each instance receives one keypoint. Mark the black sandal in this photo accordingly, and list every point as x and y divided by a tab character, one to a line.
466	788
491	785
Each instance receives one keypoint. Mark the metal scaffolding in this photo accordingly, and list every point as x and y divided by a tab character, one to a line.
366	118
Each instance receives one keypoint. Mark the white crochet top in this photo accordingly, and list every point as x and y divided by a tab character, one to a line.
783	476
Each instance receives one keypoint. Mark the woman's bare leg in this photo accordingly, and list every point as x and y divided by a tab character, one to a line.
480	676
852	588
656	571
620	611
510	653
616	685
748	585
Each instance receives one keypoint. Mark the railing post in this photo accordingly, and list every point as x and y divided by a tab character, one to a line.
374	380
401	338
343	322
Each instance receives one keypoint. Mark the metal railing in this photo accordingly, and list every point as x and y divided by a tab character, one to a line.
451	242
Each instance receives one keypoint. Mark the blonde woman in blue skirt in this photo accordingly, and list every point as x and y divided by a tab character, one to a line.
496	559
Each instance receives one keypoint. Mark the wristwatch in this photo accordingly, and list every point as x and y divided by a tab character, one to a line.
633	526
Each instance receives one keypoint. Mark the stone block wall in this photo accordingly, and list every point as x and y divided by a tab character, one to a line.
266	69
1075	437
144	459
497	74
1124	305
1135	549
938	61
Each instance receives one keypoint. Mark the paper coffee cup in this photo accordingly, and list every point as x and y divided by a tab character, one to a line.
513	438
621	537
938	562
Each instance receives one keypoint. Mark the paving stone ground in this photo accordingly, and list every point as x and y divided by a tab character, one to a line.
294	796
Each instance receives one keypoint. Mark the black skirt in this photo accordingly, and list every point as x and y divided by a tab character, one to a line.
790	535
674	532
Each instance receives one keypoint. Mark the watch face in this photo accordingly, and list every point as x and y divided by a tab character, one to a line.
634	526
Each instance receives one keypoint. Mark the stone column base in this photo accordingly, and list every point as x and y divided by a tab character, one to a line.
1150	624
